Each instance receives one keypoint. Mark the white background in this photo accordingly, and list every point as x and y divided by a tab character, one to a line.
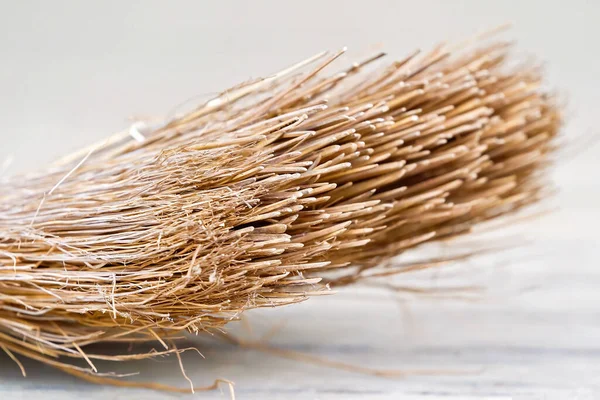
72	72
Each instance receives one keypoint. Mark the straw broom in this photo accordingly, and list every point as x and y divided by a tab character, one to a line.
264	196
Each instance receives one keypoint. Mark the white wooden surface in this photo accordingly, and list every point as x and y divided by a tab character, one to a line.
71	74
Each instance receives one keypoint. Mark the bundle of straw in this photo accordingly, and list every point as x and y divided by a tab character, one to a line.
264	196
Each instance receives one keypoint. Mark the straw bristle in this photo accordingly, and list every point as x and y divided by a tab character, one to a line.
263	196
